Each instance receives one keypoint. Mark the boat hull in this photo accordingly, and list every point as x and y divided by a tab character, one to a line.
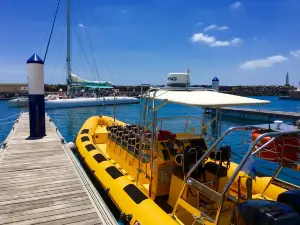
115	168
19	102
85	102
127	196
77	102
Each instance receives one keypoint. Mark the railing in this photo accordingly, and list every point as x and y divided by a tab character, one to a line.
219	197
187	119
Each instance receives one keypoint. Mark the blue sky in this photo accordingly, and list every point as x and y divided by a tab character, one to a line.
141	41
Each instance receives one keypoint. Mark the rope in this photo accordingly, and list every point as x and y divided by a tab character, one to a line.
8	122
10	117
89	41
84	54
58	1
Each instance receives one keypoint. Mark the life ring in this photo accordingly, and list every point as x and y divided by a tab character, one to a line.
281	150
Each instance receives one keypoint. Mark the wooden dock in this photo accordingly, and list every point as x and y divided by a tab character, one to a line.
41	182
257	114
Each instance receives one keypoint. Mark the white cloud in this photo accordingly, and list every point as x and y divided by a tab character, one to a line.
199	24
123	10
213	42
295	53
80	25
215	27
263	63
200	37
233	42
236	5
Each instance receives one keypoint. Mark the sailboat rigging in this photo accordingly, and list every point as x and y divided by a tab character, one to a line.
75	82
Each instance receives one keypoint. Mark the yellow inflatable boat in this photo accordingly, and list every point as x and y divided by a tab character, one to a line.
156	177
110	150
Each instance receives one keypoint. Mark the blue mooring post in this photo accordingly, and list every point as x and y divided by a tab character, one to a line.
36	96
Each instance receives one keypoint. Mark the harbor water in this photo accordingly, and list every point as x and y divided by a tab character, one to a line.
70	120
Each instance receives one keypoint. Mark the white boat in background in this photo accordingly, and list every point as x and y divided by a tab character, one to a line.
76	102
18	102
84	102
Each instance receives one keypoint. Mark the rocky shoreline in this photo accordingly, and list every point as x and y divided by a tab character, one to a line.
12	90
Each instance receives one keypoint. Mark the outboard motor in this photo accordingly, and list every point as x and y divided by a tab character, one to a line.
291	198
265	212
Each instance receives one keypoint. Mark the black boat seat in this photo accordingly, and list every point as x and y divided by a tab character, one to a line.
148	135
126	137
216	169
135	129
119	136
219	174
258	211
291	198
144	146
132	142
189	158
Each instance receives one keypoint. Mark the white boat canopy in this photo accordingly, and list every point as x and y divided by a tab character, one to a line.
204	98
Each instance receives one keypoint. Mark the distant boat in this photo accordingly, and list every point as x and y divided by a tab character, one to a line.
76	102
293	94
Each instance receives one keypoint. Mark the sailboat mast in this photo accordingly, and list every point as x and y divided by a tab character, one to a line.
68	67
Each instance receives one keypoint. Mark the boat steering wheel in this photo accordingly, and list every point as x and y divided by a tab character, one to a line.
175	146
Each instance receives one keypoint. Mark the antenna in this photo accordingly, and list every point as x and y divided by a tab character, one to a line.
188	77
68	67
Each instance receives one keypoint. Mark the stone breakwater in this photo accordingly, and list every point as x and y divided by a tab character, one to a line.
8	91
263	90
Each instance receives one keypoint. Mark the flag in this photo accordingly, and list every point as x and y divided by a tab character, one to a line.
249	167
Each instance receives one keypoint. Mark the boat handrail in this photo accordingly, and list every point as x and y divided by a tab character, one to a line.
176	117
250	152
219	199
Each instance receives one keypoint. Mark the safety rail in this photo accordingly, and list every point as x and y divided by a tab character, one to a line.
220	197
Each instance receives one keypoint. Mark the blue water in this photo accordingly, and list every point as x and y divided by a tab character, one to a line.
69	121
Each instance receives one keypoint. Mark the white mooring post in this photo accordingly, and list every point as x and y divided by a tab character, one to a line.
36	96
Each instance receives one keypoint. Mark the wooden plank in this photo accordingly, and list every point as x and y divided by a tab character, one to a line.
42	181
43	209
43	203
50	215
39	176
40	184
39	188
82	219
13	201
37	172
86	222
41	193
21	161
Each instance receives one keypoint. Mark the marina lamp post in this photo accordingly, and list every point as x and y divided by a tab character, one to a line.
36	96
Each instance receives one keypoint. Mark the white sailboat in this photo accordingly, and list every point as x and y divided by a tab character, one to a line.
59	101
